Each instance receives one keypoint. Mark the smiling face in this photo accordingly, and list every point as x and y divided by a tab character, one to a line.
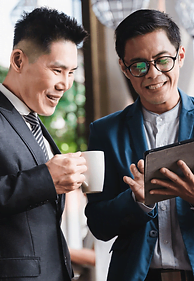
158	91
41	84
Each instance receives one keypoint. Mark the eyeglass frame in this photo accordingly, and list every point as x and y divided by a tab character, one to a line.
149	62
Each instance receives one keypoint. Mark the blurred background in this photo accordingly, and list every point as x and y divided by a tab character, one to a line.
99	88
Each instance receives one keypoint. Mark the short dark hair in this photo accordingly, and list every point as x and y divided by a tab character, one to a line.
43	26
142	22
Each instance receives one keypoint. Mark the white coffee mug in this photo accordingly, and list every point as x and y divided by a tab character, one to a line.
95	173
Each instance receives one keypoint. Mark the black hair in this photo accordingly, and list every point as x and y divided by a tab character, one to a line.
142	22
43	26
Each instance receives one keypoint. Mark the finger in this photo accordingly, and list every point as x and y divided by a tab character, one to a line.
72	155
71	180
81	169
168	187
163	183
162	191
81	160
171	176
134	171
140	166
133	184
78	161
61	189
185	169
129	181
75	161
136	188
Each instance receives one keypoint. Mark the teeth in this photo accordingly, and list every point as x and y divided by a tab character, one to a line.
153	87
52	98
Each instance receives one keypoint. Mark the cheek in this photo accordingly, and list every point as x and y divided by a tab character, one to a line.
174	73
71	80
173	78
137	84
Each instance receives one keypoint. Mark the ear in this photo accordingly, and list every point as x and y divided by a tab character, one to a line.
17	59
181	56
123	68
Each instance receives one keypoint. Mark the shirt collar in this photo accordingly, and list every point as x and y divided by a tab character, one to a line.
17	103
167	116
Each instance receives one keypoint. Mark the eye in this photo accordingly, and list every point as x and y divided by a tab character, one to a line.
57	70
139	67
163	61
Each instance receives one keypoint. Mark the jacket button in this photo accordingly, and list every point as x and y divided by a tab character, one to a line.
153	233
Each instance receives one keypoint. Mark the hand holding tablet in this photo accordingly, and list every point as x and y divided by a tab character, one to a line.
166	157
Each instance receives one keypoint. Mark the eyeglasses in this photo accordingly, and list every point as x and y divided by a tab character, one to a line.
141	68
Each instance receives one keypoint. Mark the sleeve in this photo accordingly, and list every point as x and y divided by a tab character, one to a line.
144	207
112	212
25	190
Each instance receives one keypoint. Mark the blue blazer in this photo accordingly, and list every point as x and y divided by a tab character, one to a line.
113	212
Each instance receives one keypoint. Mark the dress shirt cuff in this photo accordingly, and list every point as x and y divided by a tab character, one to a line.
144	207
192	207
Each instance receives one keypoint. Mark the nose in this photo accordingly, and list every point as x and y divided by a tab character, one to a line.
63	84
152	72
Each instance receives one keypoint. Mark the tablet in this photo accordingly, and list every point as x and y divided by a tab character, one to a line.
165	156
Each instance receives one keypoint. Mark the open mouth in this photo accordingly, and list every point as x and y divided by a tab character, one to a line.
156	86
53	98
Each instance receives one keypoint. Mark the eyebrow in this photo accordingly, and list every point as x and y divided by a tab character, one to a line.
60	65
143	59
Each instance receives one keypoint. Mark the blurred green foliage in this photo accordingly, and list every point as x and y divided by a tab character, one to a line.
3	73
67	124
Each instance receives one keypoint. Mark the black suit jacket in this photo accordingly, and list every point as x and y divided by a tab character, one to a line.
32	246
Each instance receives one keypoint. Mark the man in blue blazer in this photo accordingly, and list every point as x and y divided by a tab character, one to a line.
154	243
32	188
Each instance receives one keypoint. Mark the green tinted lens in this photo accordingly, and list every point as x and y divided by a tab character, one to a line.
164	63
139	68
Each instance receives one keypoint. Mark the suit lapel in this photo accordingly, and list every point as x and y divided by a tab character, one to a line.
186	118
49	138
60	203
18	124
136	129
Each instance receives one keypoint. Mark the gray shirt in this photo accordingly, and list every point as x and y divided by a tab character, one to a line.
170	250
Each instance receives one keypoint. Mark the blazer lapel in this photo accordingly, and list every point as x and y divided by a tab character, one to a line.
47	135
60	202
16	121
136	129
186	117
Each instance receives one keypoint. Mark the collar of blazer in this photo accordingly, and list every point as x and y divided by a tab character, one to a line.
18	124
186	121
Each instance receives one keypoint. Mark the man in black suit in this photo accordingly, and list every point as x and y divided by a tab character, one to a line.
32	187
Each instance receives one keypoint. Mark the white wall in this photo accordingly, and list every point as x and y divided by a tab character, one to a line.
187	71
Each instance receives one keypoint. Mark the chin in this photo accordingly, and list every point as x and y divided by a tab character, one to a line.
163	98
159	102
47	112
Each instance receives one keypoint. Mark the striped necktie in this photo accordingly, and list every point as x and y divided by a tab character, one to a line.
36	131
